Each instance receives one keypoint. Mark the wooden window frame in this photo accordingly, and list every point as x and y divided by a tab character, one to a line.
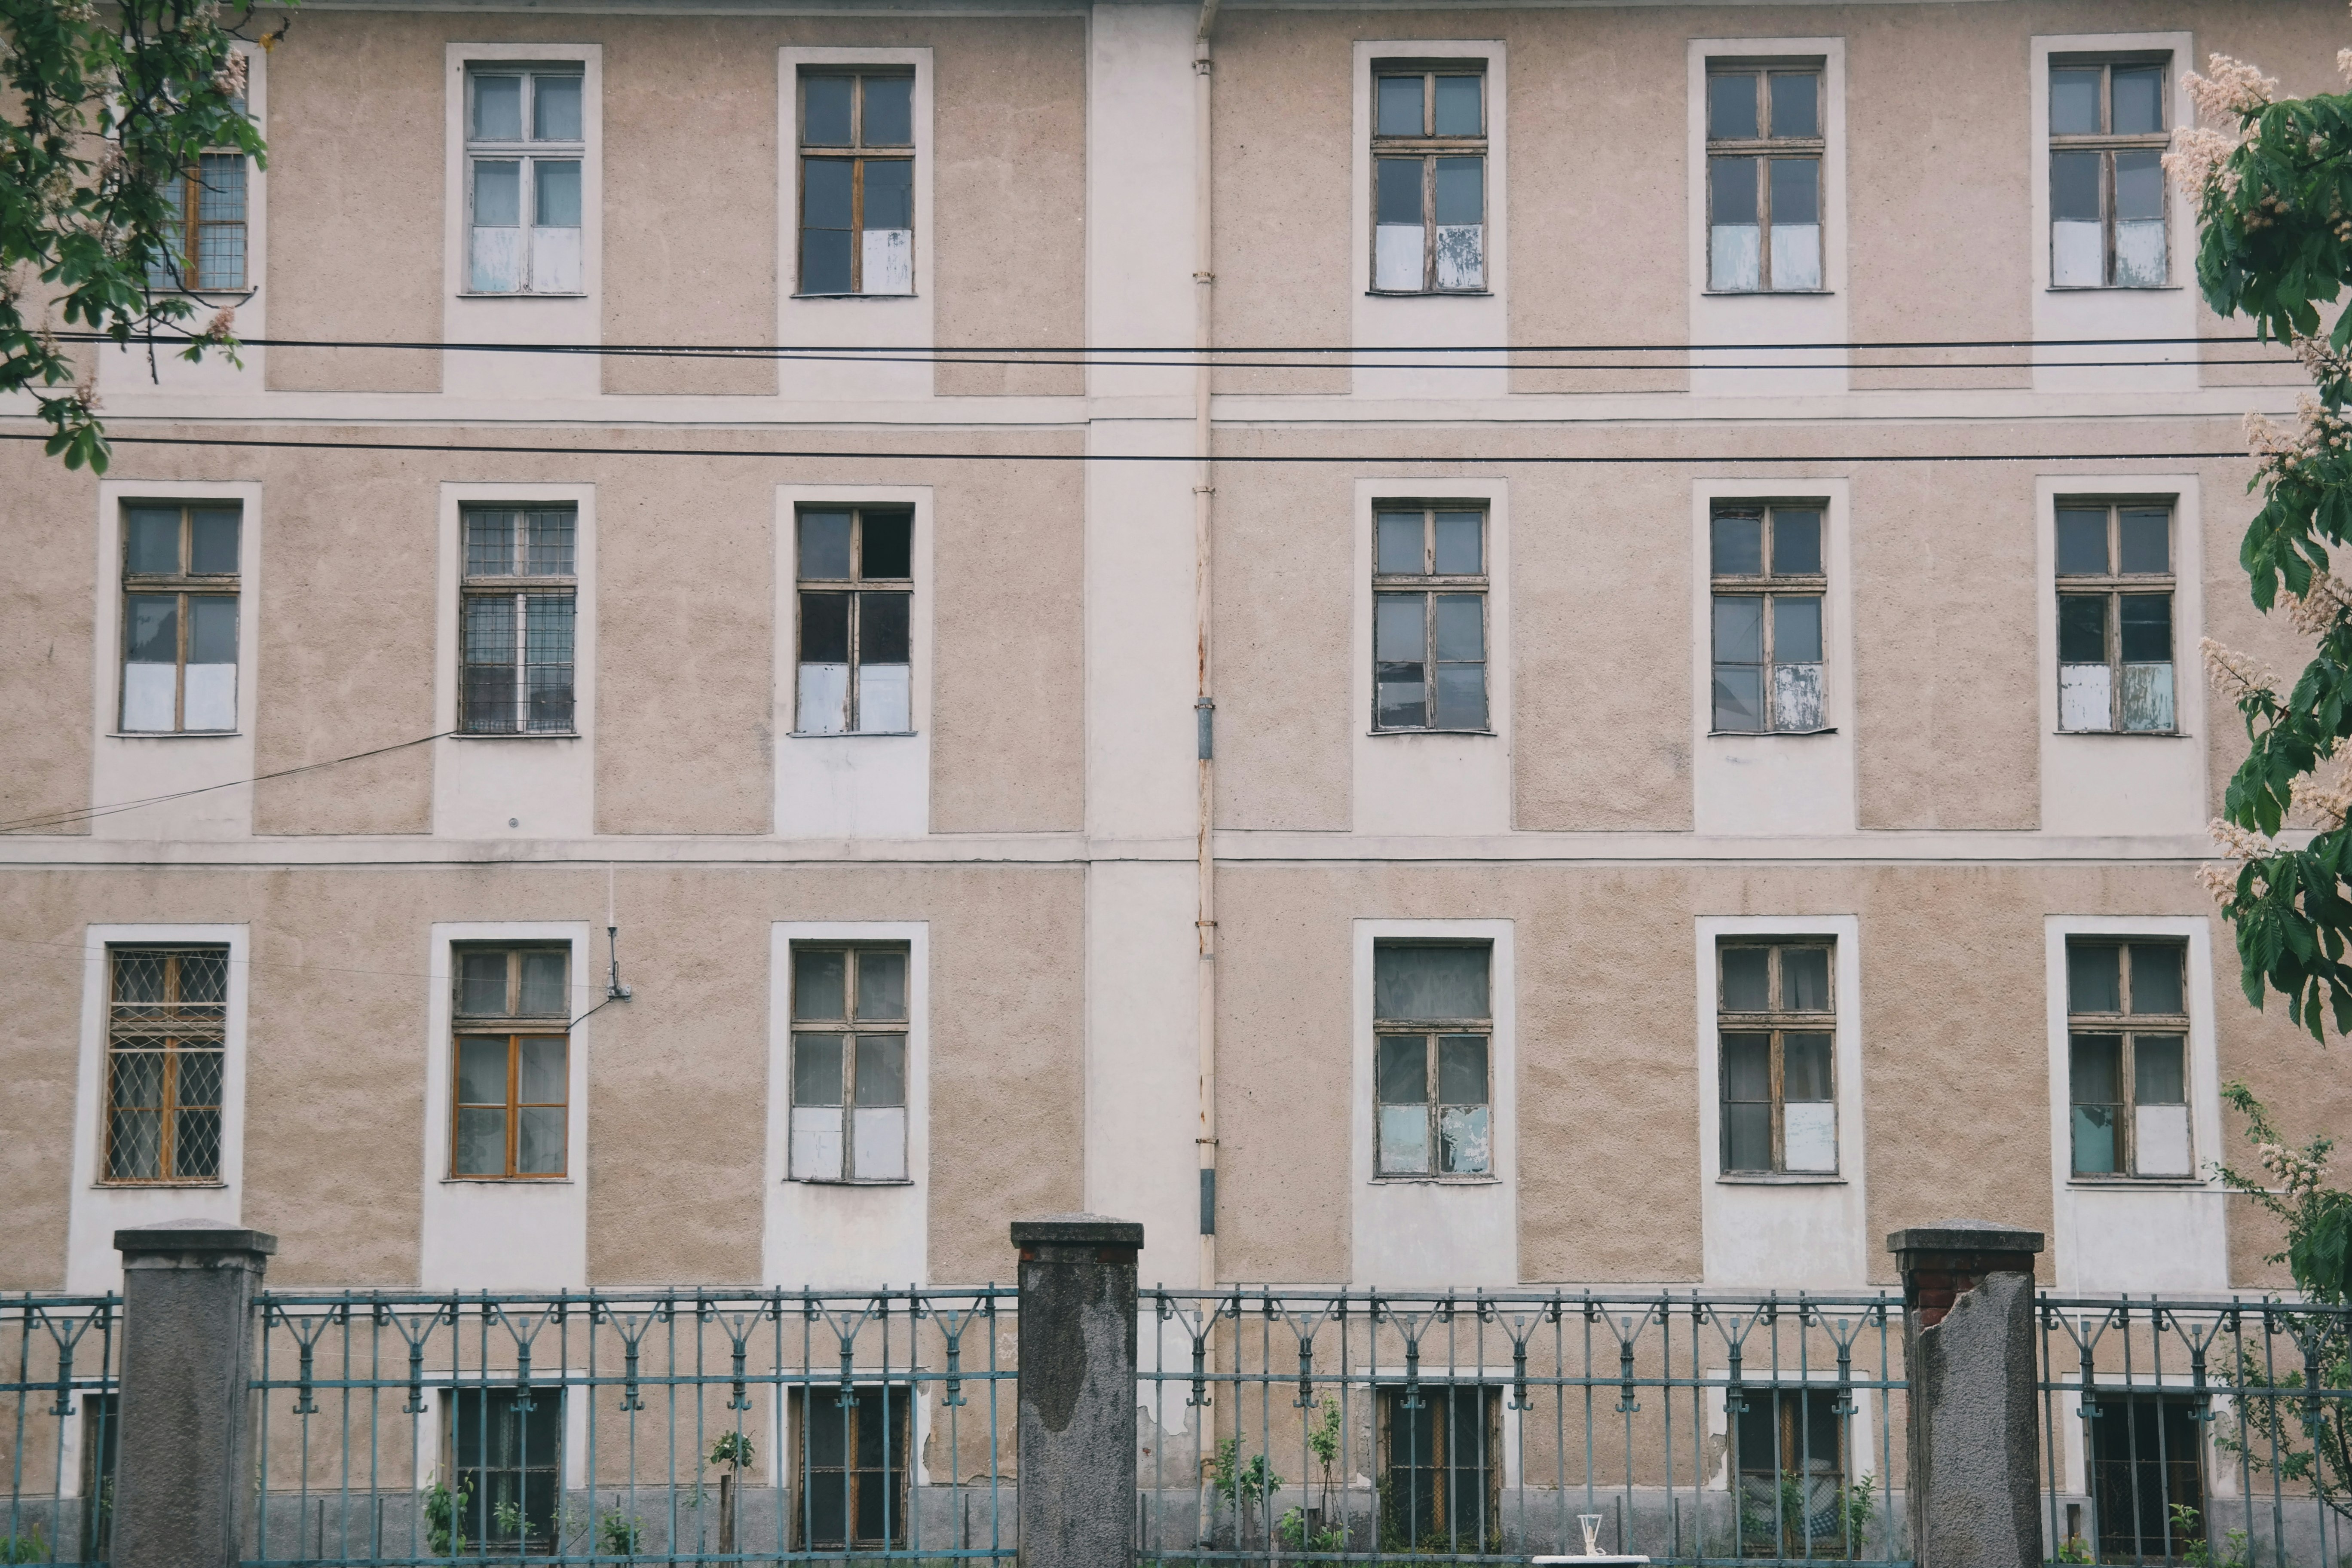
480	1511
856	586
1789	1403
1777	1021
850	1028
529	150
520	588
1770	584
2115	586
1764	147
194	195
899	1405
857	154
515	1026
2108	143
1429	147
1430	583
185	1028
1434	1031
184	584
1490	1466
2126	1027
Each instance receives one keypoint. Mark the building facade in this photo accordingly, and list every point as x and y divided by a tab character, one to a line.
1674	695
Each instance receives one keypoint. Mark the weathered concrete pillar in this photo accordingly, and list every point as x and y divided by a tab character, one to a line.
1077	1391
1974	1494
184	1459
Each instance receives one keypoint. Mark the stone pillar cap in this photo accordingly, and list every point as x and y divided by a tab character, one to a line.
194	1236
1078	1230
1964	1236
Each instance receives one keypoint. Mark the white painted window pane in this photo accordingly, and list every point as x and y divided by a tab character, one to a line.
1464	1137
824	700
2077	254
1404	1140
2082	697
555	260
1462	256
1396	256
1796	256
2148	695
1811	1131
816	1143
2140	252
1735	257
883	704
212	696
880	1150
1796	696
497	261
147	696
890	260
2160	1141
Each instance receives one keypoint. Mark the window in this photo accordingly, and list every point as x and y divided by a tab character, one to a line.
858	183
2126	1046
507	1445
849	1069
856	615
2107	139
1429	617
205	232
1442	1487
515	629
1769	586
1791	1471
1429	179
513	1028
525	145
2146	1460
2115	617
167	1038
1434	1032
852	1466
1778	1027
179	617
1764	148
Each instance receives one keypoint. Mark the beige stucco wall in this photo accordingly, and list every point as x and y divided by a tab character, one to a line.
46	603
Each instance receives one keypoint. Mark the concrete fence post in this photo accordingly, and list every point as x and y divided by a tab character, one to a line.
183	1456
1077	1430
1975	1494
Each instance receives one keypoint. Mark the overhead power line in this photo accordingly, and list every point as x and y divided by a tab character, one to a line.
56	820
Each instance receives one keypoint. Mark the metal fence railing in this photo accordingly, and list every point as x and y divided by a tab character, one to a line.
2213	1433
1289	1426
685	1426
57	1447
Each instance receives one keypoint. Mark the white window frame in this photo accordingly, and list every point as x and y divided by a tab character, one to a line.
527	153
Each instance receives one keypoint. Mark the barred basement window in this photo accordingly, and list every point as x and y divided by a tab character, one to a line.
513	1075
507	1448
2115	617
856	611
1441	1478
1433	1029
1777	1024
517	607
1764	150
1791	1447
858	183
525	145
1768	587
1429	617
851	1470
167	1034
205	234
2128	1048
849	1063
179	591
2108	133
1429	179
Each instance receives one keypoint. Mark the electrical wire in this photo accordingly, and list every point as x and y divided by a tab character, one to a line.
52	821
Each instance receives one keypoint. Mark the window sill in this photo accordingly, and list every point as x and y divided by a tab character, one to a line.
2138	1183
883	296
1429	294
1767	734
1771	294
1781	1179
2125	734
524	294
242	293
849	1182
2117	289
512	735
1405	1180
1385	734
160	1186
506	1181
851	734
173	734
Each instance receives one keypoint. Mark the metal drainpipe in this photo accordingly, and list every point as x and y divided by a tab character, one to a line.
1204	705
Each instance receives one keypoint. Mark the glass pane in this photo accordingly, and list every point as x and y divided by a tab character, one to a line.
555	200
878	1143
1748	1067
1805	1066
2147	628
2082	541
2075	188
2158	1077
1460	549
497	192
2139	100
152	541
152	628
212	543
1796	630
825	111
1796	200
1805	979
881	985
1731	105
2147	697
1738	545
481	1144
1809	1140
825	260
1398	255
816	1069
1417	982
1461	1069
886	546
1403	1069
824	628
2160	1142
2139	186
2075	102
1747	979
881	1069
545	994
490	543
1461	190
2082	628
1738	697
1399	650
498	108
1464	1145
889	111
2145	537
538	1142
889	195
1740	628
818	976
2097	1071
1731	183
1458	106
1461	697
1748	1137
1461	627
539	1071
2155	978
555	110
2094	1140
824	545
817	1141
1404	1140
1399	190
2084	696
1796	99
549	542
1398	544
1797	698
883	632
1796	543
481	984
2094	977
1400	107
482	1071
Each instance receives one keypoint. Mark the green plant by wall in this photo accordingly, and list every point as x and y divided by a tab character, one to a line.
30	1547
445	1514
